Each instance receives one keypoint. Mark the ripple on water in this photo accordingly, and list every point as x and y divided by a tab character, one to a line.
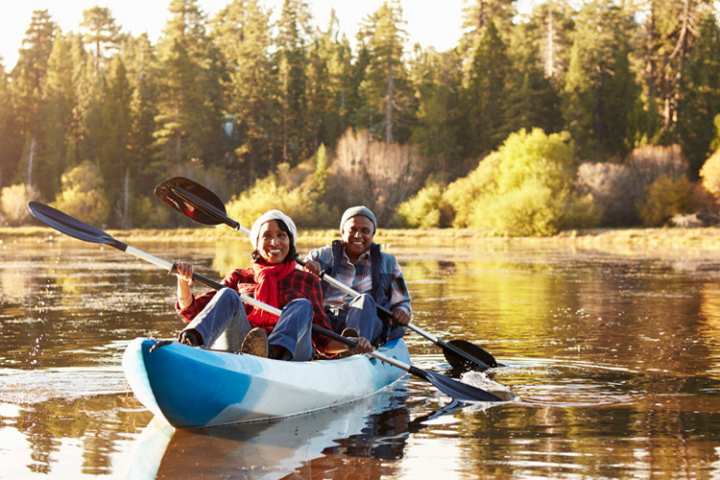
27	387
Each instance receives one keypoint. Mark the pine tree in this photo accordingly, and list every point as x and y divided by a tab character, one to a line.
600	90
549	33
10	147
242	33
291	57
387	97
438	82
190	95
487	95
700	94
28	81
101	33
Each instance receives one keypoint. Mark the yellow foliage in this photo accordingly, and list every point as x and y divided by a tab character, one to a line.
82	194
425	209
13	203
710	174
461	192
665	198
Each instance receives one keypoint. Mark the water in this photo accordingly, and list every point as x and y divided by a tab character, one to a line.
614	359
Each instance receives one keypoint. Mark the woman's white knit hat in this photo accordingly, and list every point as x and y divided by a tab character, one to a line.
266	217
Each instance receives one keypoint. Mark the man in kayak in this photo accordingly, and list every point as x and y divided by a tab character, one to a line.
272	279
358	262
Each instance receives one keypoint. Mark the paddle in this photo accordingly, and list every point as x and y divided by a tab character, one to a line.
202	205
82	231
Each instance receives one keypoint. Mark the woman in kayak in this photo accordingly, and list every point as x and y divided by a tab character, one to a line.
272	279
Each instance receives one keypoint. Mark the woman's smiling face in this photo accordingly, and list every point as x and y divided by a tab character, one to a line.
274	243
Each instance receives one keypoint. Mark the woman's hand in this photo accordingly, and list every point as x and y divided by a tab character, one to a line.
363	346
184	273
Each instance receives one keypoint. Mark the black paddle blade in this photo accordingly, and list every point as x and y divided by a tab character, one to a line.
174	192
479	357
455	389
70	226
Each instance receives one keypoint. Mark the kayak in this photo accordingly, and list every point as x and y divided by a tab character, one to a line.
194	387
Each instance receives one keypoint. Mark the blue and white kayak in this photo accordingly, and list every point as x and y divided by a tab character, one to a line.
194	387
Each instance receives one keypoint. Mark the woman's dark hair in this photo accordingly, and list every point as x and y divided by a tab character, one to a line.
292	253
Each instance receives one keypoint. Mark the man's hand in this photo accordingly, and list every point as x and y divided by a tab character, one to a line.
312	266
400	316
363	346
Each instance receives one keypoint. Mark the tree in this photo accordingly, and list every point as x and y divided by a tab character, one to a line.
669	31
28	81
487	95
438	82
700	94
387	99
10	147
599	88
291	56
242	33
190	95
101	33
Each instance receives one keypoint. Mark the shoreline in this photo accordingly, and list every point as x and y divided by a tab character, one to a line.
693	242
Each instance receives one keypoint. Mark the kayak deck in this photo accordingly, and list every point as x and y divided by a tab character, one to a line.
194	387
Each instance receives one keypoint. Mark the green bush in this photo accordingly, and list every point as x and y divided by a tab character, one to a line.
13	203
710	174
426	209
460	194
82	194
304	203
666	197
524	189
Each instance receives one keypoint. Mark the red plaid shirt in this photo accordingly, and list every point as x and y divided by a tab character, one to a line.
299	284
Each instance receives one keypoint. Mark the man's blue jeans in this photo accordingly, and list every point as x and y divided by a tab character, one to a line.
223	324
361	315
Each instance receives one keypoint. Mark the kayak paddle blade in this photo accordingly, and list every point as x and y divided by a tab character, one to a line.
470	357
192	200
70	226
455	389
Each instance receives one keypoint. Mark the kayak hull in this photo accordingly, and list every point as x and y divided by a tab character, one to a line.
193	387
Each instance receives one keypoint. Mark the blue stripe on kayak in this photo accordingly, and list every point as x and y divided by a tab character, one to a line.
190	392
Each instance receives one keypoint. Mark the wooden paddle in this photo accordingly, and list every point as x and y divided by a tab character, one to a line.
74	228
197	202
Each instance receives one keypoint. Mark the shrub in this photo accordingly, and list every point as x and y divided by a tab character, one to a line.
524	189
710	174
82	194
666	197
304	203
617	189
13	203
426	209
460	194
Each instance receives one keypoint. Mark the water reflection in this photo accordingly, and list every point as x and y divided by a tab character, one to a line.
615	362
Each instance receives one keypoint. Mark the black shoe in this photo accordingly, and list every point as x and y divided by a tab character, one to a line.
190	337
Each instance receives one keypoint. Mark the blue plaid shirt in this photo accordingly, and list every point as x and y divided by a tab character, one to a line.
359	278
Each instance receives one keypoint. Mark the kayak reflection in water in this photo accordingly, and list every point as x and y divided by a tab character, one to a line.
220	320
358	263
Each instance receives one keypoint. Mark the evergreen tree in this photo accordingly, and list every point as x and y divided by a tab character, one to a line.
600	90
101	33
242	33
476	17
291	57
487	95
388	104
28	81
190	94
700	94
58	106
10	147
438	82
549	33
669	31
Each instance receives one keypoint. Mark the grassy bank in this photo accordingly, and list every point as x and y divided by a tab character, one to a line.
642	241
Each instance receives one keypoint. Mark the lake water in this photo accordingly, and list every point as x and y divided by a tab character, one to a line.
614	359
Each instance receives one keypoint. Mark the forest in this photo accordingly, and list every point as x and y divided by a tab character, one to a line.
597	113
